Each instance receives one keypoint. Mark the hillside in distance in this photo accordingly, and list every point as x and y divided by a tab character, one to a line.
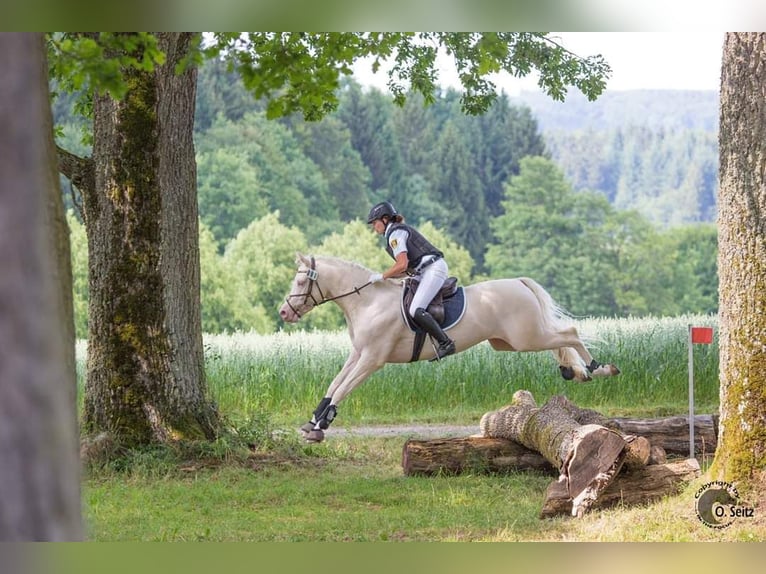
655	151
671	109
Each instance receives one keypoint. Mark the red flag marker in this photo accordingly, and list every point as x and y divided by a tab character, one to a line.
702	335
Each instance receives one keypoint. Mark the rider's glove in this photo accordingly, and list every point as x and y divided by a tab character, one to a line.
375	277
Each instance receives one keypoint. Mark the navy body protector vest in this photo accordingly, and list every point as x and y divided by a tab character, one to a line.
417	246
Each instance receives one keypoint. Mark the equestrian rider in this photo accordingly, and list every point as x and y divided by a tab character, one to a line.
415	255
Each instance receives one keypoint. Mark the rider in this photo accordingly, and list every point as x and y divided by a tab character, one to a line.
413	254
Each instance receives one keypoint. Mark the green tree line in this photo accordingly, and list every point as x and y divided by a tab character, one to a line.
595	260
269	188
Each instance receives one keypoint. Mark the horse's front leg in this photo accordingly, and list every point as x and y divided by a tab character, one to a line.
325	402
358	373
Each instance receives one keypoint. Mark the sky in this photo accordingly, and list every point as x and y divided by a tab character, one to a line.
639	60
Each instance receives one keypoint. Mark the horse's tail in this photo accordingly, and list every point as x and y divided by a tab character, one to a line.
555	318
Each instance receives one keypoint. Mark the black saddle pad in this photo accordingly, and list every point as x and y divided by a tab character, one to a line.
454	308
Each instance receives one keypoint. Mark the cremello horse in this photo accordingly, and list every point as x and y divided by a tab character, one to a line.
512	314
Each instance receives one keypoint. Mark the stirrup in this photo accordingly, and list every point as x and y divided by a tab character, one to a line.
444	350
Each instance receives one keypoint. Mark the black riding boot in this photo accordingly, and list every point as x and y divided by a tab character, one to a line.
425	321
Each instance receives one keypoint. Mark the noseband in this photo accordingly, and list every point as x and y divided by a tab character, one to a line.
313	278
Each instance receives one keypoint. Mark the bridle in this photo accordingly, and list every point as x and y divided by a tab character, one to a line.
313	278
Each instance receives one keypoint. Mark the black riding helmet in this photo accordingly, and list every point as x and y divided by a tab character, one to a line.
380	210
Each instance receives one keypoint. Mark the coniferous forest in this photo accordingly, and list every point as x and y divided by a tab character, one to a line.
609	204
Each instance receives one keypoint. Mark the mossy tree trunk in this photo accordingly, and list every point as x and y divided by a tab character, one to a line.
741	454
145	373
39	466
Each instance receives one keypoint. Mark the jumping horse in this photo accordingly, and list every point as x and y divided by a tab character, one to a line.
512	314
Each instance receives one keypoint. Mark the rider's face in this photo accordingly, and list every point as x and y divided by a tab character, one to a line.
378	226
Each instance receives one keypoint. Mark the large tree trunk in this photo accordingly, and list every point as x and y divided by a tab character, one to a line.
145	372
39	468
741	455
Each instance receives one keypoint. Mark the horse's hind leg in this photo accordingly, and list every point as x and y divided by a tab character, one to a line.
575	361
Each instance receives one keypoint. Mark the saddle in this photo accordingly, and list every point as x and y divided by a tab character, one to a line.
436	306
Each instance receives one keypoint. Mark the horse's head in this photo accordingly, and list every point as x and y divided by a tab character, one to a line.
301	298
320	281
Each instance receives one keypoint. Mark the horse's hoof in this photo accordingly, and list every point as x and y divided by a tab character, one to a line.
307	428
606	371
316	435
567	373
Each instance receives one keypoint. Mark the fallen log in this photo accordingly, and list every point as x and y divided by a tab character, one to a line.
639	486
670	433
427	457
587	456
470	454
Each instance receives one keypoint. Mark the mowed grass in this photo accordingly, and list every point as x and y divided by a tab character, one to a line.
352	488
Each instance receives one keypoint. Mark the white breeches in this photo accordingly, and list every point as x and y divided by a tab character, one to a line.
431	280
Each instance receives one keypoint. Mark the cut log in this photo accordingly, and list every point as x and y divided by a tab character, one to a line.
470	454
638	451
645	484
587	456
672	433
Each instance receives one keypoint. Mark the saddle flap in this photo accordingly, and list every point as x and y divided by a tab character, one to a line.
435	307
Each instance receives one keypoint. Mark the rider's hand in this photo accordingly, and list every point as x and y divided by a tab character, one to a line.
375	277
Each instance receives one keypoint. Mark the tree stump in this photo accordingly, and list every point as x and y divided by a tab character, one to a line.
587	456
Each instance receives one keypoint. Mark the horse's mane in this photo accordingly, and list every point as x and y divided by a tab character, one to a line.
342	262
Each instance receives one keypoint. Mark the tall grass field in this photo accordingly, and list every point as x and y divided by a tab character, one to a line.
286	374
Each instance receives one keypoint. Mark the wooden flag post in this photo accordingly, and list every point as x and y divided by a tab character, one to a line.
697	336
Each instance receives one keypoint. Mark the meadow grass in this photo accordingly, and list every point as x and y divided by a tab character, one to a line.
353	489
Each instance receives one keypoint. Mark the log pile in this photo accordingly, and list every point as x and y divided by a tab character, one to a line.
599	461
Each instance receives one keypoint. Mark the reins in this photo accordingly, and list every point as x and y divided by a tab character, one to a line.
313	278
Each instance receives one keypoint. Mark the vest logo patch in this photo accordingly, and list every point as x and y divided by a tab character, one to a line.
394	243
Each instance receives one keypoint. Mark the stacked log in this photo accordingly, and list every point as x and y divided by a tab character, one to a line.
599	461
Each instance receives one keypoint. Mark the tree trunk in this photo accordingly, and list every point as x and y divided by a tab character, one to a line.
741	456
145	372
587	456
39	468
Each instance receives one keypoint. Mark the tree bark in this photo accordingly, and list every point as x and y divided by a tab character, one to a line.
638	486
39	468
145	372
741	456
